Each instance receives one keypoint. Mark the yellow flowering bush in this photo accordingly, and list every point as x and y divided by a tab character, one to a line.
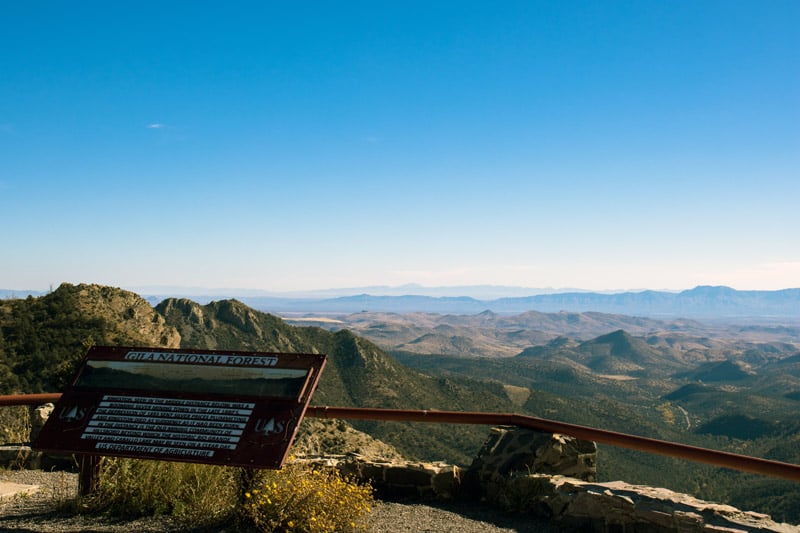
305	498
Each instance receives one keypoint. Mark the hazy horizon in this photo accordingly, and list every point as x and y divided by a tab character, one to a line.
479	292
284	148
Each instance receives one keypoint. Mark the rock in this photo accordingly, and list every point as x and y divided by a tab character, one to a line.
619	506
512	449
511	452
38	417
18	457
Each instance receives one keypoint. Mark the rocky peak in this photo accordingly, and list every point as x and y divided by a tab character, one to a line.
129	316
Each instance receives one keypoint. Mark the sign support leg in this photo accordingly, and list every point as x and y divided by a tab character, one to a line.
246	478
89	477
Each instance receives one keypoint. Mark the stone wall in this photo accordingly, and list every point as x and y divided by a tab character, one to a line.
508	451
524	471
397	479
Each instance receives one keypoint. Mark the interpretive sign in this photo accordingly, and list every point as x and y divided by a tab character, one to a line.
215	407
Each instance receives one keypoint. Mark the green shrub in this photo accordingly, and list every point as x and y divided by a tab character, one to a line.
303	498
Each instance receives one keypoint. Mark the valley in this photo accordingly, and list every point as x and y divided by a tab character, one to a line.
727	386
716	384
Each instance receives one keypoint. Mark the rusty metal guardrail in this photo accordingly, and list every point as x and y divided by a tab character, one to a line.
644	444
29	399
734	461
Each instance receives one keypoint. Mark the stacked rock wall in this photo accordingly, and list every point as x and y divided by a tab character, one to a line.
397	479
524	471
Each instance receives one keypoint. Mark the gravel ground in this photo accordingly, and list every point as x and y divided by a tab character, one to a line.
36	514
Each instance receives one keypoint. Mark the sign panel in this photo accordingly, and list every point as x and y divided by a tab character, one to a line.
215	407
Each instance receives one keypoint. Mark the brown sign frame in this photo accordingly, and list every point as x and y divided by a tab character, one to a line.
201	406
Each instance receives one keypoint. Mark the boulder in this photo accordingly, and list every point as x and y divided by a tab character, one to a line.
511	451
38	416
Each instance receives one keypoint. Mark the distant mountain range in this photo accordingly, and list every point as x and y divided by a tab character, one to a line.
481	292
700	302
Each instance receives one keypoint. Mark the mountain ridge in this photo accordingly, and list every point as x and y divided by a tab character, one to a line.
702	301
43	339
699	302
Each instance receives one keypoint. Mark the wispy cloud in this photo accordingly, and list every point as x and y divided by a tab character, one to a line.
164	134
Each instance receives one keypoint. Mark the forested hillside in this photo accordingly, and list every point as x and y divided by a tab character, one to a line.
44	338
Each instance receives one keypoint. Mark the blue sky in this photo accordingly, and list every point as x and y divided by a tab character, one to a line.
289	146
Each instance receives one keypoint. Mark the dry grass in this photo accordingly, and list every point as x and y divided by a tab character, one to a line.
15	424
200	494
